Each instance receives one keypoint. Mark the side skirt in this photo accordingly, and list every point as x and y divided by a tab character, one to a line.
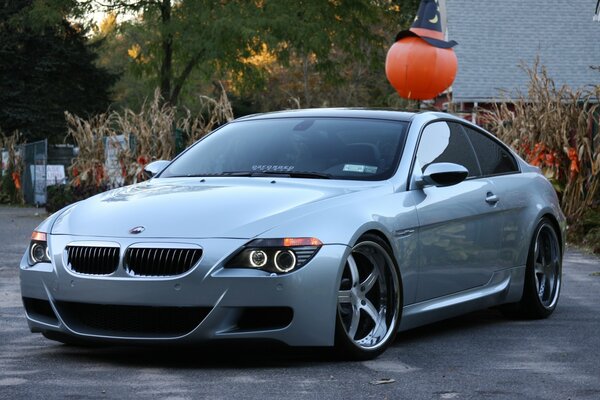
505	286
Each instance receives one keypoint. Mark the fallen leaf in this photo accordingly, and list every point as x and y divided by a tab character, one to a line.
383	381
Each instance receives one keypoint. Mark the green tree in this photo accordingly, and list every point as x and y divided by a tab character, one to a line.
187	40
306	50
45	71
330	53
179	35
117	45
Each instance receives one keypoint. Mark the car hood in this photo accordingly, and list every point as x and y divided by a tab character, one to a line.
194	208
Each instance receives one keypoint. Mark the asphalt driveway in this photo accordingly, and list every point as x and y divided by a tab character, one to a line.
479	356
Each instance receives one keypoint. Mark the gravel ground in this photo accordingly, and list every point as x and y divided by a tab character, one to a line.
478	356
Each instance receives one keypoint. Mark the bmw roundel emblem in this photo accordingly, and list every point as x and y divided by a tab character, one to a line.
136	230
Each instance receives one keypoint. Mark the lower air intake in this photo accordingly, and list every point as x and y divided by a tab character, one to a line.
40	310
264	318
131	321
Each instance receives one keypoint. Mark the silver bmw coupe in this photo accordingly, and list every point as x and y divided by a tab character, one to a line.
324	227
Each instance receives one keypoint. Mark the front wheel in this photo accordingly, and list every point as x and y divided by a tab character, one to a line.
369	300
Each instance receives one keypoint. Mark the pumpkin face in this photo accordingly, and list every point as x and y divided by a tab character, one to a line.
418	70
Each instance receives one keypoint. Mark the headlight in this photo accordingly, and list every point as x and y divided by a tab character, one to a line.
38	248
276	255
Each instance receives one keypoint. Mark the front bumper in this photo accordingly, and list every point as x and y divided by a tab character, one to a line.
297	309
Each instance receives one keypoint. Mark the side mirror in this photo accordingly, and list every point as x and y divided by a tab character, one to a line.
442	174
155	167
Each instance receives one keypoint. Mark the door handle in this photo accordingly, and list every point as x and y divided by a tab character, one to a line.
491	198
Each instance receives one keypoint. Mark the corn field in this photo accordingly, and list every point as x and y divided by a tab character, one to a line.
136	138
552	128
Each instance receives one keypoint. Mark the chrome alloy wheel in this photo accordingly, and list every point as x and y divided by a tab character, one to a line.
369	296
547	266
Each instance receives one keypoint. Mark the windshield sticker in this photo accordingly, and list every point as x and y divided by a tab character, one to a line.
286	168
367	169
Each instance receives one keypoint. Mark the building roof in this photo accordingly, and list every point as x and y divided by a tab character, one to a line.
496	37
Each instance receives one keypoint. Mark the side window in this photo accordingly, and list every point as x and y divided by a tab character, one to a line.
493	158
443	142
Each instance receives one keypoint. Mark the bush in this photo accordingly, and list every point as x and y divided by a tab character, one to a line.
589	231
7	189
59	196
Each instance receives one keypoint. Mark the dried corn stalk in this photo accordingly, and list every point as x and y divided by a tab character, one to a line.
552	127
87	168
146	136
11	187
214	112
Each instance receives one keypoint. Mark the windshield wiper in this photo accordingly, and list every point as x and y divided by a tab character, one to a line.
291	174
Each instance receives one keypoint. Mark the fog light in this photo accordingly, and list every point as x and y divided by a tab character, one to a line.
285	260
258	258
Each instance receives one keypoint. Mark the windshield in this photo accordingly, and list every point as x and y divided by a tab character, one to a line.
336	148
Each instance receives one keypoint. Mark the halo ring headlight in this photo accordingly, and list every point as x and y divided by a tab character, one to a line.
285	260
38	248
275	255
38	252
258	258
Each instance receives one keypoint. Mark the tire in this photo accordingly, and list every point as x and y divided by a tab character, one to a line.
369	301
543	275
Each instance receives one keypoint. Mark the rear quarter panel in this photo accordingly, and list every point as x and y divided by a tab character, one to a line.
525	198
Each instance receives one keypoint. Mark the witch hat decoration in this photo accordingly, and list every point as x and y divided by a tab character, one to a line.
428	26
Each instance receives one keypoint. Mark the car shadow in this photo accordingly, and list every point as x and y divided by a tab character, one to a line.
237	355
452	326
249	355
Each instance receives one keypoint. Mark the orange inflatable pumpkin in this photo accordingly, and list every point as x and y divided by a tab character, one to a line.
418	70
421	64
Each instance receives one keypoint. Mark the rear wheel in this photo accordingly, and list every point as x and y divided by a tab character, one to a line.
543	275
369	300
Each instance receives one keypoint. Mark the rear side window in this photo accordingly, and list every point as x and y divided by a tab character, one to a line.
443	142
493	158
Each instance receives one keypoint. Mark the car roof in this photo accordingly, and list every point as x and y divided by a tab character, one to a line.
334	113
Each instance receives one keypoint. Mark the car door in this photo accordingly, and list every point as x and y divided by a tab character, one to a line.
458	225
500	167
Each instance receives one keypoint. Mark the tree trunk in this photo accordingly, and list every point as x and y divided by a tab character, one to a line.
166	67
178	84
305	79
